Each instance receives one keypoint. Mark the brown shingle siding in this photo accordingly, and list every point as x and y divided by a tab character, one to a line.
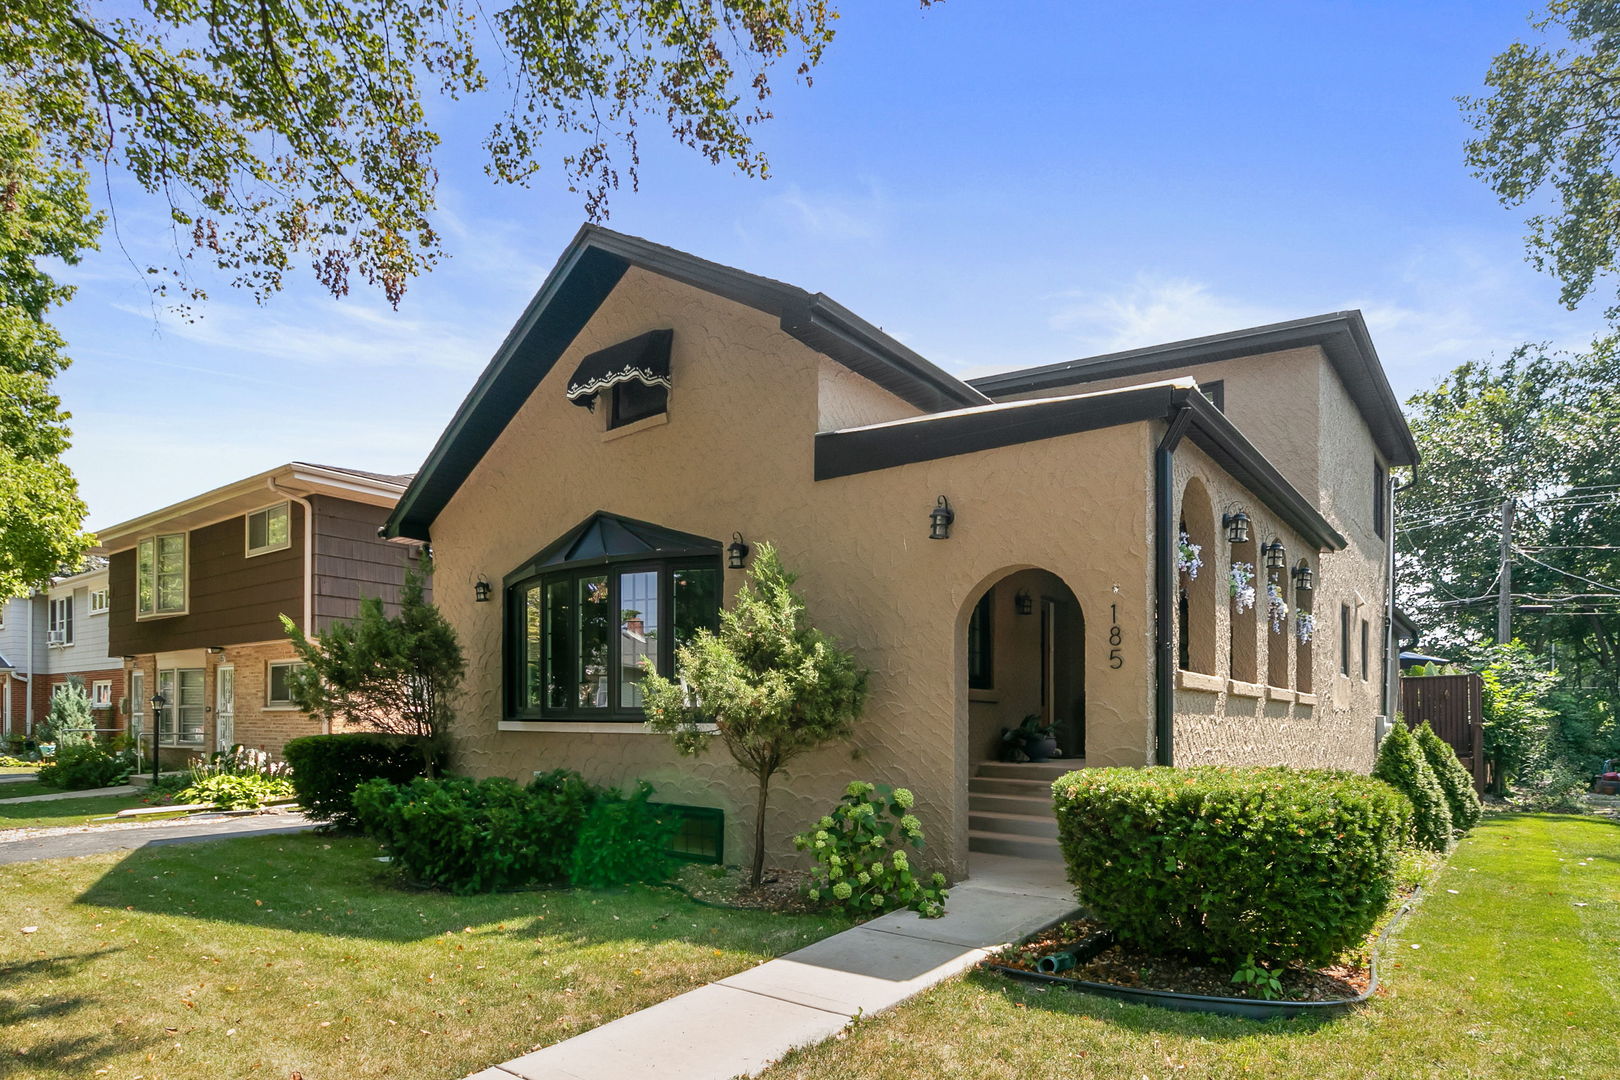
351	561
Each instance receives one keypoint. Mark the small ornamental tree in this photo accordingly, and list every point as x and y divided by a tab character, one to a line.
1401	765
772	685
389	673
1454	781
70	720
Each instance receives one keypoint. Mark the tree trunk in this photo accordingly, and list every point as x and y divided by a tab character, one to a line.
759	830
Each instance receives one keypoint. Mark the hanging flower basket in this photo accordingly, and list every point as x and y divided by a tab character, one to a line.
1304	627
1189	557
1241	586
1276	607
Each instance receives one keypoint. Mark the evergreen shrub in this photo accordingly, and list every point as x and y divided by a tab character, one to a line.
1402	766
1455	783
79	766
1275	864
327	768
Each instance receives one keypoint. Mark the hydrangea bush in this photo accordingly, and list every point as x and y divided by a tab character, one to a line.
861	862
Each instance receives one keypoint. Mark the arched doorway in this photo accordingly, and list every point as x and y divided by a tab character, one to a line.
1026	657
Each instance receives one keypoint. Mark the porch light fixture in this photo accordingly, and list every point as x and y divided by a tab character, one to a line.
1236	526
481	590
216	649
1276	558
736	552
939	520
1302	578
1023	603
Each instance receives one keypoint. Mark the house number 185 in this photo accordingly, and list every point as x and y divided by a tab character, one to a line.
1115	638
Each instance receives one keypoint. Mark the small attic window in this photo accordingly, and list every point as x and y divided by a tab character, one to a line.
633	374
1215	391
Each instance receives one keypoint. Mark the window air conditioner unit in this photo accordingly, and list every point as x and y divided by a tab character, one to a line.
56	637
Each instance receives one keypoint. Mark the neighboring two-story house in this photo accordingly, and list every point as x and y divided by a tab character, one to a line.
198	589
53	635
1021	545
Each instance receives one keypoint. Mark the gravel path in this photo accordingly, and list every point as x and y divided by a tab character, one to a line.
30	845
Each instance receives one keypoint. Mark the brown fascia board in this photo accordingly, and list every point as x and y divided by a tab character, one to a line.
851	451
590	267
1342	336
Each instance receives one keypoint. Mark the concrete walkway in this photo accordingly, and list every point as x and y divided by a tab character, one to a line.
90	793
742	1024
95	840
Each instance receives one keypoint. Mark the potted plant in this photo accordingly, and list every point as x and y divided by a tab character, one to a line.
1031	738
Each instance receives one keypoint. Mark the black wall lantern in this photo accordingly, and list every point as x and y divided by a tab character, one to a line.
481	590
1302	577
1237	527
939	520
736	552
1276	558
1023	603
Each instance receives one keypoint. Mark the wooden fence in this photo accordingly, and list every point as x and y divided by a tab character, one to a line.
1451	705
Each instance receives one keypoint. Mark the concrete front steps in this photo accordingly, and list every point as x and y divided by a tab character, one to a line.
1010	808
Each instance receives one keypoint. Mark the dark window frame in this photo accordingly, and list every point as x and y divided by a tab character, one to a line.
1380	500
706	821
1344	640
982	660
1366	644
515	637
624	408
1215	391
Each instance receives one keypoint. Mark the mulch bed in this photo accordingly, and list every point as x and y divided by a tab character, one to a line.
781	890
1121	965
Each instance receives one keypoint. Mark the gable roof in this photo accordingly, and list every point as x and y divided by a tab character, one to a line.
849	451
1342	336
587	272
604	536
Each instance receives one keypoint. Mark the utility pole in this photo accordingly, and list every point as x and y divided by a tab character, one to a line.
1504	590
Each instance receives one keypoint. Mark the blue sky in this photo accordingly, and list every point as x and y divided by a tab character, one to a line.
998	184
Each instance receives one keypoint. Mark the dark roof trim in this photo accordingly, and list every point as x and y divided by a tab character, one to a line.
584	276
1342	336
904	442
1406	630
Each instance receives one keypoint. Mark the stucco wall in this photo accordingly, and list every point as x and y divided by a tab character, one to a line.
735	455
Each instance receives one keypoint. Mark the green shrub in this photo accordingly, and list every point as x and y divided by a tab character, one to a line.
236	791
327	768
82	765
623	841
476	836
69	720
1455	783
1275	864
860	864
1402	766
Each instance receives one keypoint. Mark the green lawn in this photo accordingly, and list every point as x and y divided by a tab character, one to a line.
262	957
21	788
53	812
1506	976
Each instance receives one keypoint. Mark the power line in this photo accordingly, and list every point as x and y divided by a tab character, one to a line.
1566	573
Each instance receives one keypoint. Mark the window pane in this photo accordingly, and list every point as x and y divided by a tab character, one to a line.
594	612
276	525
561	690
190	710
278	682
256	530
144	554
694	602
635	400
638	632
165	715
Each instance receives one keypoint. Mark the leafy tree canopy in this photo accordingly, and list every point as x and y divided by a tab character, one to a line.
44	215
1550	128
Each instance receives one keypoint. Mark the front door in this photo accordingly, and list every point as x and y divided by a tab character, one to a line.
225	707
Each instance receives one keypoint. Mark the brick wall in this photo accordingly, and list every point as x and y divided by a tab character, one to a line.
43	686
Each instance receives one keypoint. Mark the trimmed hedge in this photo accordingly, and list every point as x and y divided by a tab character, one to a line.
327	768
1275	864
472	836
1402	766
1455	783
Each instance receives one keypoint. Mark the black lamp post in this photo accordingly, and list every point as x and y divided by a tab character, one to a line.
1237	527
939	520
158	703
736	552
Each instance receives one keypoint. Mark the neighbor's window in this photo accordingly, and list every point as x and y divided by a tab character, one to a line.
137	701
578	638
981	656
1366	638
634	400
1380	499
101	693
278	688
180	720
1215	391
98	601
160	575
1344	639
59	629
269	529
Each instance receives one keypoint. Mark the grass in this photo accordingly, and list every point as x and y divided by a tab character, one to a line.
54	812
270	956
1498	973
20	788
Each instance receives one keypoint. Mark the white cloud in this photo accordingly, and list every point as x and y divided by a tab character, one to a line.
1152	310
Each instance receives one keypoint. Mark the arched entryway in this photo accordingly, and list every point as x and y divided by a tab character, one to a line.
1025	654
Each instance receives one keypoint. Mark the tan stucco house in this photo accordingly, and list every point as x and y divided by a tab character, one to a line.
721	409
